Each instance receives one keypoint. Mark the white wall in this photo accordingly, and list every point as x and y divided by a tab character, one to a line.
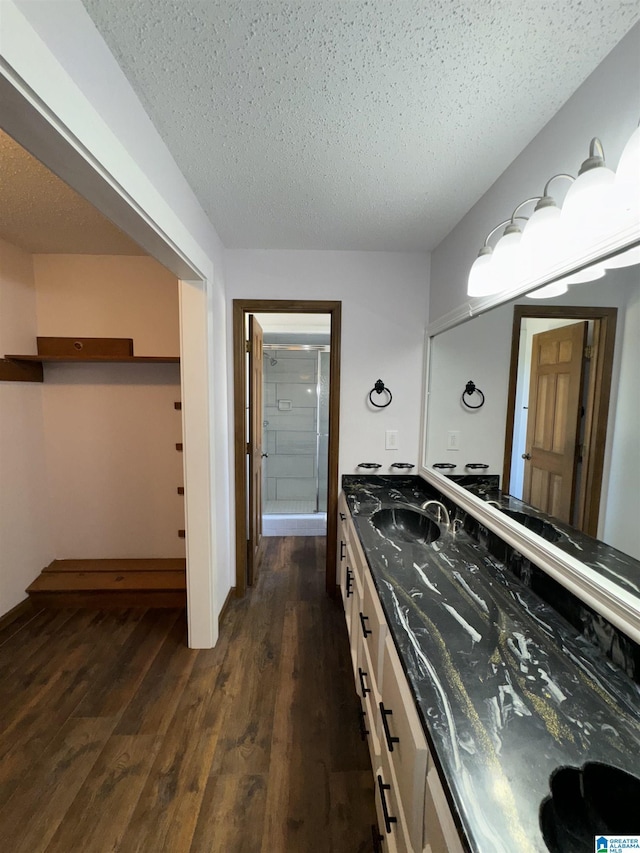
384	307
56	66
607	105
25	544
111	430
109	296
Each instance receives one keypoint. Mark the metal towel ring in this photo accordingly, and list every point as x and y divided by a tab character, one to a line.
379	388
469	389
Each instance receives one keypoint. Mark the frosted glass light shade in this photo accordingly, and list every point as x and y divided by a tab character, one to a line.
481	278
550	290
508	262
587	209
627	182
542	240
628	171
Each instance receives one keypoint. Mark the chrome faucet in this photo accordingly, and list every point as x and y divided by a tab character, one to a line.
443	512
495	503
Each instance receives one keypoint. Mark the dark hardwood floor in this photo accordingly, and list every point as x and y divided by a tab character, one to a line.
114	736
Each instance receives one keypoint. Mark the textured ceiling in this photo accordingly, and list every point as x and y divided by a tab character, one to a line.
352	124
43	215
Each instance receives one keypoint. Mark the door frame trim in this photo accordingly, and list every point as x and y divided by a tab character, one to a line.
242	307
598	395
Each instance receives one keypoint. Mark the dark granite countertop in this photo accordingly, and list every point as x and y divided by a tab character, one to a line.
506	689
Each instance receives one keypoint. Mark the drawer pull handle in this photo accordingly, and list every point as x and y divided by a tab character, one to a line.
361	675
387	712
343	546
343	517
388	819
364	731
349	582
377	839
365	631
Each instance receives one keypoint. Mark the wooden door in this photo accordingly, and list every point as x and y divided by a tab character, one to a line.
555	393
254	449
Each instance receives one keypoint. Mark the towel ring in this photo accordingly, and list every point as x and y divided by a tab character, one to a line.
379	387
469	389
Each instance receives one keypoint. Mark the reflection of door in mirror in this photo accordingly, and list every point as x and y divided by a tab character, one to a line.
558	405
553	423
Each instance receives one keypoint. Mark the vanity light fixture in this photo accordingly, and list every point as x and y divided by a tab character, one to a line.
493	267
598	205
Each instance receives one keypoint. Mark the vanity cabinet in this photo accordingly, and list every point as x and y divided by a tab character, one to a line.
413	814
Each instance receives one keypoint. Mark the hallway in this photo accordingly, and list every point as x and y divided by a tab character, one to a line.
116	737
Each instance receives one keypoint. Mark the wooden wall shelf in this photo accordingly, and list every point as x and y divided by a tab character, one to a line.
75	359
28	368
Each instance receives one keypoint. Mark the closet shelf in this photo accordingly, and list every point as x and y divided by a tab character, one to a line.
51	350
75	359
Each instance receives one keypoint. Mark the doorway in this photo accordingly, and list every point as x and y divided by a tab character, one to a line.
256	444
567	477
296	385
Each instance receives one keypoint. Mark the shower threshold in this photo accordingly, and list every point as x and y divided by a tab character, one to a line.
300	524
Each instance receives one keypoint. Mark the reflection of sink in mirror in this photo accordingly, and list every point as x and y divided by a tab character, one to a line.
586	803
406	524
536	525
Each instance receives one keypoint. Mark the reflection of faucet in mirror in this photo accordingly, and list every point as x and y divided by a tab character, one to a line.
456	524
443	512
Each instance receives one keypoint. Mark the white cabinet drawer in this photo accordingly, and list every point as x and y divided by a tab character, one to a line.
341	550
368	692
404	741
372	625
391	820
352	609
356	556
440	831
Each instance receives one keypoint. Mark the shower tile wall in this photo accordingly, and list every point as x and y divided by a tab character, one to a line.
290	436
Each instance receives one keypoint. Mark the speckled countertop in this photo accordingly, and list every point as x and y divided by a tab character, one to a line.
507	691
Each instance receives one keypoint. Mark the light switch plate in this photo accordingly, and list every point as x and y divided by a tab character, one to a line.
453	439
391	439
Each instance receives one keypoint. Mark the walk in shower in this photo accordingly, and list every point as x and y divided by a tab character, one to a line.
295	436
